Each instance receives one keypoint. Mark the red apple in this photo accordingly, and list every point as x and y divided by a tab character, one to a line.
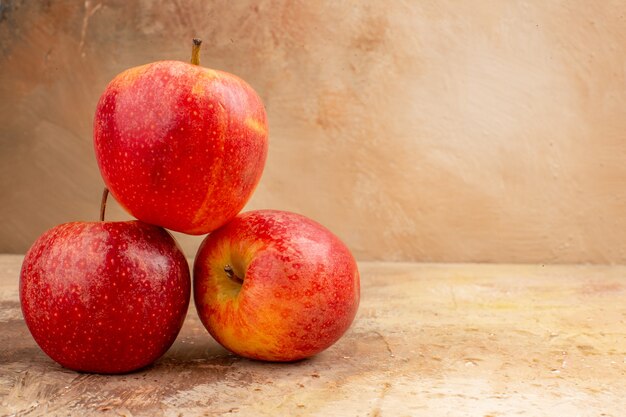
107	297
179	145
275	286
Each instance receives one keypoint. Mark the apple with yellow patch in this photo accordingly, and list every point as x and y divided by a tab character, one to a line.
179	145
275	286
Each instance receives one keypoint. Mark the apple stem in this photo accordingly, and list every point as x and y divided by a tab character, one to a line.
195	51
231	274
103	203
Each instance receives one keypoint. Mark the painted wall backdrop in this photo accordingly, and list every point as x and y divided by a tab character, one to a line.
415	130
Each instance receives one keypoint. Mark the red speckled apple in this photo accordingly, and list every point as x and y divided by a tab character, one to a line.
180	146
107	297
275	286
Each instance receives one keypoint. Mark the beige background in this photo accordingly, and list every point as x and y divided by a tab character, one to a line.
439	131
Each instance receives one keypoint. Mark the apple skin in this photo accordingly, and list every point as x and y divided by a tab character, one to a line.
179	145
105	297
300	290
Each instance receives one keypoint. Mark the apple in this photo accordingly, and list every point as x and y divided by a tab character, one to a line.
179	145
275	286
106	297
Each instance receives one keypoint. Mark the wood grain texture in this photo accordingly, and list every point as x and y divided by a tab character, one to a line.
483	131
429	340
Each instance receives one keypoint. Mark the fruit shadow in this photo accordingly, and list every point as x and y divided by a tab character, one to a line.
197	350
212	353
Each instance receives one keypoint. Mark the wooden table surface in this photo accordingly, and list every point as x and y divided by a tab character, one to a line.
429	340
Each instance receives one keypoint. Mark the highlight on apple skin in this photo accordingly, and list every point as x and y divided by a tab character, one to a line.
105	297
275	286
179	145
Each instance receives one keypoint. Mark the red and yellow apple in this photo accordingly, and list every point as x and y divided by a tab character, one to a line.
179	145
276	286
107	297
